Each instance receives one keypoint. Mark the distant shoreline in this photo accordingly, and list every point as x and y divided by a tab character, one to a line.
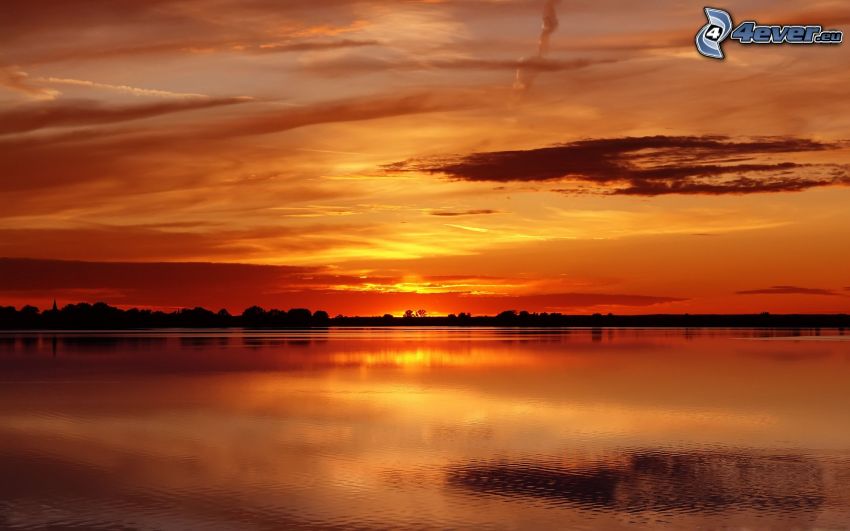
101	316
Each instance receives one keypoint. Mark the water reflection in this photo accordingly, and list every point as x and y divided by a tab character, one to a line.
658	480
371	429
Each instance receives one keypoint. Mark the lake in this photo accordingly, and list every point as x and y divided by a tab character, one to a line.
424	429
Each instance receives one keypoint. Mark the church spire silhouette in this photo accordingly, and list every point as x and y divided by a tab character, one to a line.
55	308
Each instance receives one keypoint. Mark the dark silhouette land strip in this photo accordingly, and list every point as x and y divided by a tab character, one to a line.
101	316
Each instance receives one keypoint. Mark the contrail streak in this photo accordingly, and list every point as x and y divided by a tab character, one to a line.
525	75
550	25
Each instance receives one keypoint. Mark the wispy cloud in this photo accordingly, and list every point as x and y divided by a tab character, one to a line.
135	91
237	286
467	228
346	110
17	80
789	290
457	213
338	67
67	112
315	45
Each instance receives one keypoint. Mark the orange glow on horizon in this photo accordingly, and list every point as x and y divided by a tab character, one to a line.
376	158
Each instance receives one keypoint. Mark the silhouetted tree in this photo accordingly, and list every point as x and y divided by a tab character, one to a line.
321	318
103	316
275	317
253	311
298	317
507	315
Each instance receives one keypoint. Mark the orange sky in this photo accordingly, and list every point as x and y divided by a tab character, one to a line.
366	156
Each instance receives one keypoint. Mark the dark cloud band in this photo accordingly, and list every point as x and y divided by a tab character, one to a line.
651	166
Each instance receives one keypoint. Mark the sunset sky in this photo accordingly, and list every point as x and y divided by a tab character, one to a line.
369	156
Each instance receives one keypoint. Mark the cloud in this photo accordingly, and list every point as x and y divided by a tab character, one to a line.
237	286
467	228
149	243
67	112
370	65
93	30
451	213
135	91
789	290
21	19
651	166
247	45
21	274
314	45
18	81
567	301
345	110
156	284
80	157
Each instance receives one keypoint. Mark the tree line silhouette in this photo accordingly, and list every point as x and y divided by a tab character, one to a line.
98	316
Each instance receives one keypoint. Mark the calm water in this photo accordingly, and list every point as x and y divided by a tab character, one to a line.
400	429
